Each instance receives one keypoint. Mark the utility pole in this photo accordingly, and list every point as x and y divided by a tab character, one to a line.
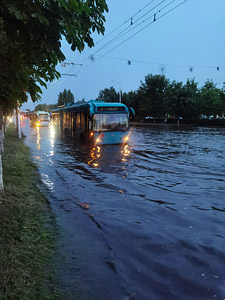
18	120
120	91
120	95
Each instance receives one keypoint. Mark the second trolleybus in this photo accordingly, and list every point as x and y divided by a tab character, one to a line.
40	118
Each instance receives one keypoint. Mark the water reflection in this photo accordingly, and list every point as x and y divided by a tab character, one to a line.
52	139
38	144
45	139
47	181
95	154
125	152
109	155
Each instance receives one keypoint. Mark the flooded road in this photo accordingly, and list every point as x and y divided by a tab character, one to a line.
143	221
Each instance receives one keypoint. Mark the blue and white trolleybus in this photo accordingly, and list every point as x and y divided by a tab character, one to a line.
96	121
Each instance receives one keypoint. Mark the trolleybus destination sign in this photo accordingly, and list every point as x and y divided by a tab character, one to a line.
111	108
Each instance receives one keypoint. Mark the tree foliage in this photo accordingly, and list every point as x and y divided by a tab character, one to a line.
176	99
80	101
210	99
65	98
108	95
131	99
222	102
30	41
192	109
151	93
157	97
45	107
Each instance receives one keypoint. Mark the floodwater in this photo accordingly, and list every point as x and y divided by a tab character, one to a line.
143	221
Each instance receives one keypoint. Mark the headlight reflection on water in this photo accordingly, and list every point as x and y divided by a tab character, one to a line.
52	139
51	134
95	153
125	151
108	155
38	139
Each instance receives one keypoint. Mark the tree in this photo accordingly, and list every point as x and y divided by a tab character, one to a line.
13	73
222	102
131	99
176	99
42	107
45	107
210	99
65	98
30	41
191	106
152	95
81	101
108	95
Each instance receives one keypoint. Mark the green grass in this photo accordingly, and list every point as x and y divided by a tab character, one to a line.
27	228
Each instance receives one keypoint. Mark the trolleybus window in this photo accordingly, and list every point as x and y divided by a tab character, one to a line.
77	120
110	122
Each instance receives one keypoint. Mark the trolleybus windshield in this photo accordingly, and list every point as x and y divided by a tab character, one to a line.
110	122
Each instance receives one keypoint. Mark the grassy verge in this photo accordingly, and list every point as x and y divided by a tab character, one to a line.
27	228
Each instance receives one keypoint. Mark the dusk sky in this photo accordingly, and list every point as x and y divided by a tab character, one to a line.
187	42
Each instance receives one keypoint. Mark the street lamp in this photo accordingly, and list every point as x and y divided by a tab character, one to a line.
120	92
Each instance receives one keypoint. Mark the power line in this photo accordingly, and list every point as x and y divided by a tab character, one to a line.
153	15
118	27
140	30
71	71
124	31
63	64
216	67
134	15
67	74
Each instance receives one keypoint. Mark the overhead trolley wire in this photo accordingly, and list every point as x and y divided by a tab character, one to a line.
118	27
169	11
125	22
126	31
67	74
169	65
